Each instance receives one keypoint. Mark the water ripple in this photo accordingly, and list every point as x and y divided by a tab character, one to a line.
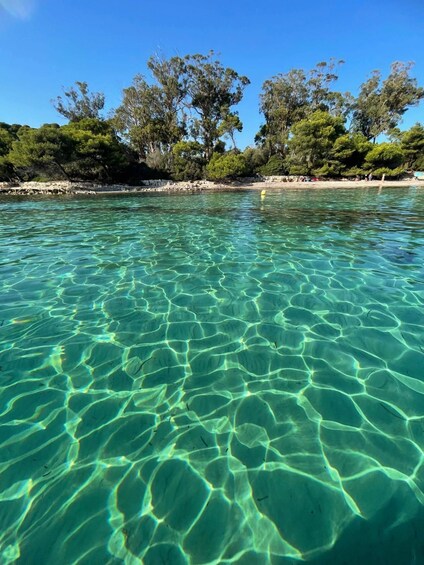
213	378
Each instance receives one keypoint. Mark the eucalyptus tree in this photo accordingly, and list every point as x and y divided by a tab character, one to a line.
380	104
78	103
190	98
288	98
150	117
212	91
139	118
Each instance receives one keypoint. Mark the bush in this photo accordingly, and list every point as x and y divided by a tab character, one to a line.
226	167
255	159
188	161
274	167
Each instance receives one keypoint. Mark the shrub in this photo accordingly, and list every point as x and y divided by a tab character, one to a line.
188	160
226	167
274	166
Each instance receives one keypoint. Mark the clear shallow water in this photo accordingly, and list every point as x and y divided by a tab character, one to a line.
212	378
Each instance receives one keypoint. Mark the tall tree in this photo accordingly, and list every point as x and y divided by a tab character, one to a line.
288	98
381	104
212	91
192	96
78	103
171	79
148	116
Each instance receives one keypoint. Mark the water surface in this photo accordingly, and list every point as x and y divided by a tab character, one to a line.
213	378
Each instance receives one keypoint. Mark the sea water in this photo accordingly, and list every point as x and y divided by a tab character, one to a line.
213	378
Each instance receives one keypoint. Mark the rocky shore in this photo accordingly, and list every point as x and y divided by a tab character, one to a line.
257	183
70	188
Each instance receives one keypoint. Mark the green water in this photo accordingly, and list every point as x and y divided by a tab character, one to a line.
213	378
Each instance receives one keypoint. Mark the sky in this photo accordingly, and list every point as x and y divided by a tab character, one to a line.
46	45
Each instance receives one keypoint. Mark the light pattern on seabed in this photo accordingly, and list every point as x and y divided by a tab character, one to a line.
213	378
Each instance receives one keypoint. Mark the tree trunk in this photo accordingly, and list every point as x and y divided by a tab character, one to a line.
62	170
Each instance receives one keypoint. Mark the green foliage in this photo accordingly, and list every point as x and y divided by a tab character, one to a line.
188	160
98	154
328	169
312	142
176	124
193	97
226	167
79	104
289	98
385	158
212	90
348	155
47	149
274	166
229	125
87	149
389	173
381	105
255	158
412	143
6	141
148	118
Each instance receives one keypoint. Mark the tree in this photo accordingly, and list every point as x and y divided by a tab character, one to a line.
312	142
212	90
191	97
171	79
288	98
273	167
97	152
79	103
148	118
348	154
6	142
47	149
381	105
255	158
412	144
226	167
188	160
385	159
229	125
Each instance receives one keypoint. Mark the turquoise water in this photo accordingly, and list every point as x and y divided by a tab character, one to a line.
213	378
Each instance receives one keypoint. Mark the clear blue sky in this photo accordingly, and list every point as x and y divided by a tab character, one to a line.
47	44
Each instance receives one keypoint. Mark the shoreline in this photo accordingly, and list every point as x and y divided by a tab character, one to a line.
57	188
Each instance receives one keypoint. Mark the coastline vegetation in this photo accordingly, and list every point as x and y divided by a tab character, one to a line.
181	124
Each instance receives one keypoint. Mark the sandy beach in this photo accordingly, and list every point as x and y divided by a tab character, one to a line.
267	185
